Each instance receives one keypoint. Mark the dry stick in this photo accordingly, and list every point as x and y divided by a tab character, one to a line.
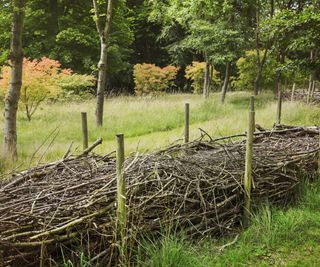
121	197
279	107
293	91
248	164
42	255
84	130
93	146
186	122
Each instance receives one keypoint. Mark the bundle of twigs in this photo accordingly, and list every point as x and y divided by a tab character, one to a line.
196	187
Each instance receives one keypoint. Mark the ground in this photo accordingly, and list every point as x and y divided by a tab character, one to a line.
277	237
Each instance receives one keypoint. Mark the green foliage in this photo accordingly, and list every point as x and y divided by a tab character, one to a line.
295	30
151	79
296	33
214	29
75	83
195	72
83	260
66	32
75	87
5	24
169	251
247	71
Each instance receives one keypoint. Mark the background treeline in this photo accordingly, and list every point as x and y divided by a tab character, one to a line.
214	45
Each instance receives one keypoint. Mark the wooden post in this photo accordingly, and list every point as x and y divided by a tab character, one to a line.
186	122
319	157
309	89
279	107
84	130
248	164
293	91
121	197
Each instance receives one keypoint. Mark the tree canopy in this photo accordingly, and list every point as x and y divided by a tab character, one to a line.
170	32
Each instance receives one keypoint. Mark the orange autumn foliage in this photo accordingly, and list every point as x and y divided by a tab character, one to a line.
151	79
39	82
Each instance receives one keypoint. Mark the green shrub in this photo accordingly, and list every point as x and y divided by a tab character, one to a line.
247	70
195	73
76	83
151	79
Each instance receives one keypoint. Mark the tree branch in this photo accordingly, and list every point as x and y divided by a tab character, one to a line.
98	21
108	19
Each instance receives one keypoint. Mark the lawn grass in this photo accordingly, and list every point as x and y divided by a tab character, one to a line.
148	123
276	237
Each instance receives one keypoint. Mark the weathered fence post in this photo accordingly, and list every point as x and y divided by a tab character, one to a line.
84	130
293	91
186	122
319	156
248	164
121	197
279	107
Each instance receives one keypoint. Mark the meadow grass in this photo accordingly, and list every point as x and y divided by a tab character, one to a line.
148	123
276	238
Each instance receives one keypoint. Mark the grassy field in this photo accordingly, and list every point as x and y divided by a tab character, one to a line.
277	237
148	123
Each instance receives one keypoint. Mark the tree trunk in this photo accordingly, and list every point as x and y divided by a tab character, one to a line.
312	78
225	82
278	80
103	28
53	11
293	91
102	80
12	98
257	81
260	65
206	84
260	62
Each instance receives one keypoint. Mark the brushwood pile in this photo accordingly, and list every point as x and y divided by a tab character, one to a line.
195	187
302	96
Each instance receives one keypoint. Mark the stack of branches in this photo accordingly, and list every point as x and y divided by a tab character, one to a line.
195	187
302	95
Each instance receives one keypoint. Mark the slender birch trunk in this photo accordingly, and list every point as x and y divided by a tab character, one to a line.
103	28
12	98
225	82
